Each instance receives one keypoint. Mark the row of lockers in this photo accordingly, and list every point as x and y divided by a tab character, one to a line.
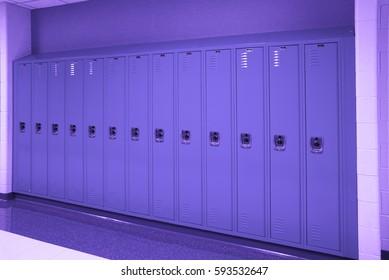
243	141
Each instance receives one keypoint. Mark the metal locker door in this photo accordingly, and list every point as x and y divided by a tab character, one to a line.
189	129
39	129
163	166
322	118
22	129
138	129
94	136
74	132
285	207
114	133
251	154
56	130
219	163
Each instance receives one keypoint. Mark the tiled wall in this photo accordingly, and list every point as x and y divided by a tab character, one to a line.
15	42
367	129
383	120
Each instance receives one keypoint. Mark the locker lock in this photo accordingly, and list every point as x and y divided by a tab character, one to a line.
54	129
185	137
38	128
214	138
317	144
245	140
279	142
112	132
134	134
22	127
73	130
159	135
92	131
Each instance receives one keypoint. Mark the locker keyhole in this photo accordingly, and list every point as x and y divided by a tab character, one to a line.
38	128
135	134
73	130
159	135
279	142
22	127
92	131
245	140
54	129
185	137
214	138
317	145
112	132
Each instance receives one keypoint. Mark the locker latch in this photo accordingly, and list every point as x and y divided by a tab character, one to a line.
135	134
54	129
317	144
245	140
92	131
38	128
22	127
279	142
159	135
214	138
185	137
112	132
73	130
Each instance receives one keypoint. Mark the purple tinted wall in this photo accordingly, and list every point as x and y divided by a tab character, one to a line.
99	23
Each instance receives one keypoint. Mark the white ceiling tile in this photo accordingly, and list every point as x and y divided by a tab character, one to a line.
38	4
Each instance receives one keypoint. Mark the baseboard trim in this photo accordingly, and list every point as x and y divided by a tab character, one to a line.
384	255
7	196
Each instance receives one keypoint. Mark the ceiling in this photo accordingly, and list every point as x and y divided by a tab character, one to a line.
38	4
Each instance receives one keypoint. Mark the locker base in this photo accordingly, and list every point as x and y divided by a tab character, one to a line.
7	196
88	227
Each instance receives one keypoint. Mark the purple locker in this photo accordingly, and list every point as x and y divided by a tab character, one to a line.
74	132
93	130
138	136
56	130
189	138
114	133
323	178
250	142
219	163
39	128
22	129
162	136
285	207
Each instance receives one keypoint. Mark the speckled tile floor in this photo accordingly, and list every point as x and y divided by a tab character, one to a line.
115	236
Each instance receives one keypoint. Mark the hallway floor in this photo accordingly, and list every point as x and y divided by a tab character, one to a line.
60	231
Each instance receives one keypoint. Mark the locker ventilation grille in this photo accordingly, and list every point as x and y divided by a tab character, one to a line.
214	61
112	66
244	60
279	227
134	66
316	233
56	70
313	58
185	211
91	67
158	64
245	221
72	68
39	70
184	63
276	58
214	216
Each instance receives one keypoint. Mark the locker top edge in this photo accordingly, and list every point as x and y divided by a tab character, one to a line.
201	43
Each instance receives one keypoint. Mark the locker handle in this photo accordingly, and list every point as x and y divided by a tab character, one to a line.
22	127
72	129
54	129
245	140
279	142
38	128
135	134
159	135
185	137
92	131
317	144
214	138
112	132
